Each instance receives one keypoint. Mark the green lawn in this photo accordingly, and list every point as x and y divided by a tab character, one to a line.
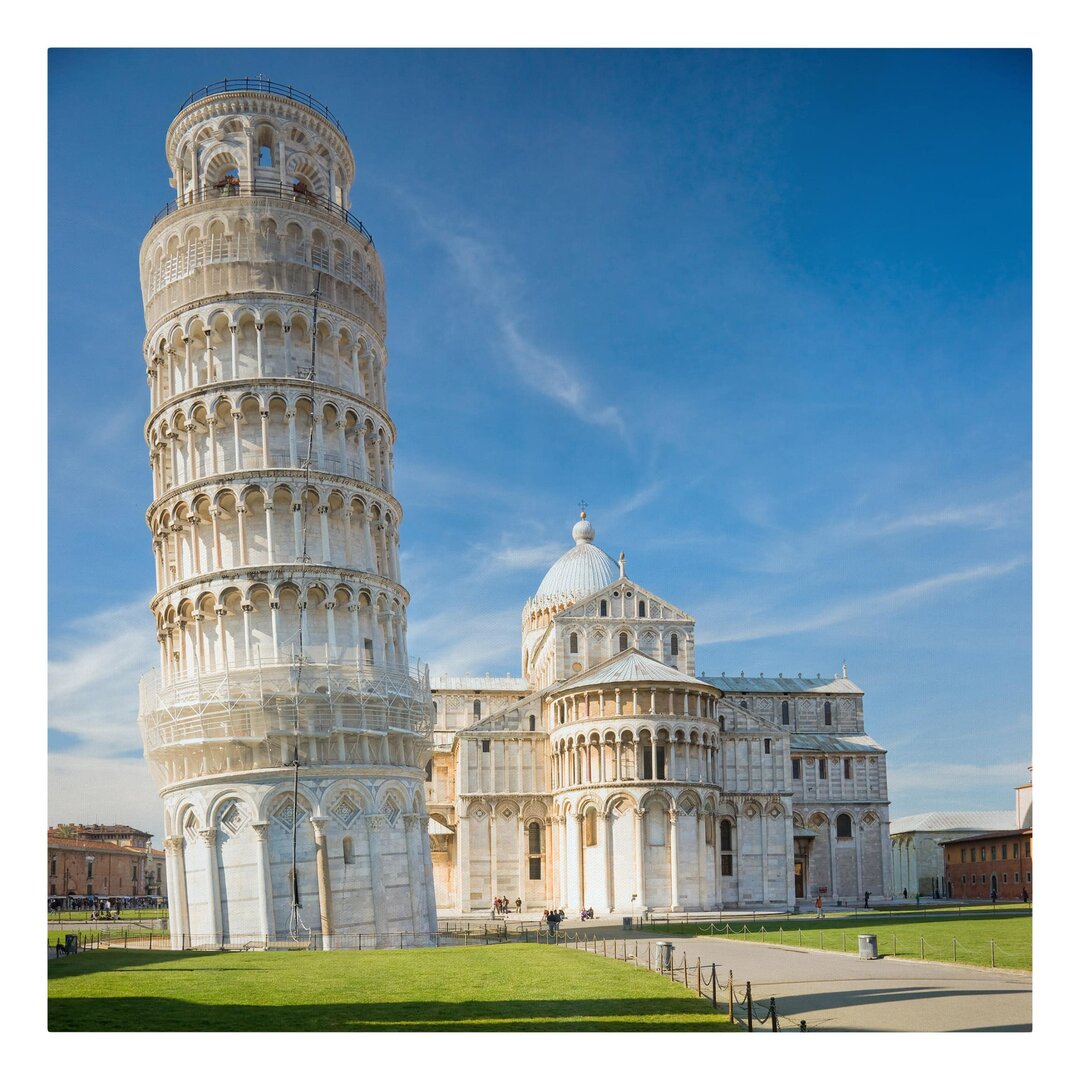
495	988
964	938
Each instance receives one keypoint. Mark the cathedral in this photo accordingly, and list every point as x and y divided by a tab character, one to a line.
314	784
610	776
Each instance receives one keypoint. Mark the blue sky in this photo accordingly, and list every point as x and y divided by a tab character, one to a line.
768	312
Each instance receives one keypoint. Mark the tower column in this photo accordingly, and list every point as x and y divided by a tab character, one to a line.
213	888
673	821
322	876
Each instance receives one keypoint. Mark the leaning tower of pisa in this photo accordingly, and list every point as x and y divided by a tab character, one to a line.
285	728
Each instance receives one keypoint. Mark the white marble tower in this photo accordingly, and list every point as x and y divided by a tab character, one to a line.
279	610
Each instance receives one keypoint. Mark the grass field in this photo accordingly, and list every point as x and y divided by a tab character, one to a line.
498	988
963	939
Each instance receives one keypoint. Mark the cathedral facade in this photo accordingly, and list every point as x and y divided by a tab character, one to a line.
610	776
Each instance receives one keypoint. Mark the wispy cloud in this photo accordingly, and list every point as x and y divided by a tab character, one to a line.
995	514
455	642
94	677
957	781
100	788
492	278
527	556
733	625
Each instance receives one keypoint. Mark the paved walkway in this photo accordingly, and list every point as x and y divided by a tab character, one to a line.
836	992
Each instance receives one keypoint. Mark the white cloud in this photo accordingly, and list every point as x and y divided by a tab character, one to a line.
726	623
86	789
526	556
995	514
454	643
957	779
490	276
93	682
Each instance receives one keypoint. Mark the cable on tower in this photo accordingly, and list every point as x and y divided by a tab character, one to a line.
296	923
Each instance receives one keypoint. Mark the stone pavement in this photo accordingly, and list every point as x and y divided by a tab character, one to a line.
837	992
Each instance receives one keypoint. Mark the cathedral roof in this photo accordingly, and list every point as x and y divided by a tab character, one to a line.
780	685
479	682
629	667
581	571
832	744
955	821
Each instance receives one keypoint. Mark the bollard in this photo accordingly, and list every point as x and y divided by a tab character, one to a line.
772	1013
749	1008
731	996
922	948
954	950
714	986
802	1025
800	937
992	963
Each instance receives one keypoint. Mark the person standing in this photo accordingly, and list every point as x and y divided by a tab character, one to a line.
866	900
817	904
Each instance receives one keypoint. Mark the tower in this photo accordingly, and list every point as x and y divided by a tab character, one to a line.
285	728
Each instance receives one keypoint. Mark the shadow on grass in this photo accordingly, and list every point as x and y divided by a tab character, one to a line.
597	1014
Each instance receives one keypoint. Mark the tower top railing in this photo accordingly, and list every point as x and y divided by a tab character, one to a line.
263	189
262	85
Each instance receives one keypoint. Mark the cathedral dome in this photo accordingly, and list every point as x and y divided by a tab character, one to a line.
582	570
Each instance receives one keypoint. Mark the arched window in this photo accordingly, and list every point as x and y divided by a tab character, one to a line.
674	645
573	643
828	712
536	851
624	642
590	827
843	827
476	709
726	860
347	850
785	715
603	607
641	609
427	770
532	722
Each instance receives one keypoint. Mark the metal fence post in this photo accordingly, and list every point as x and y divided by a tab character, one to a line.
749	1007
714	986
772	1013
992	960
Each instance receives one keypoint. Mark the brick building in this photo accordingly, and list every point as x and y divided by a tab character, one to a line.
978	866
103	860
997	862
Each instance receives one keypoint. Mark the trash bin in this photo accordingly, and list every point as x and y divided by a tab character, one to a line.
71	944
664	949
868	947
628	922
